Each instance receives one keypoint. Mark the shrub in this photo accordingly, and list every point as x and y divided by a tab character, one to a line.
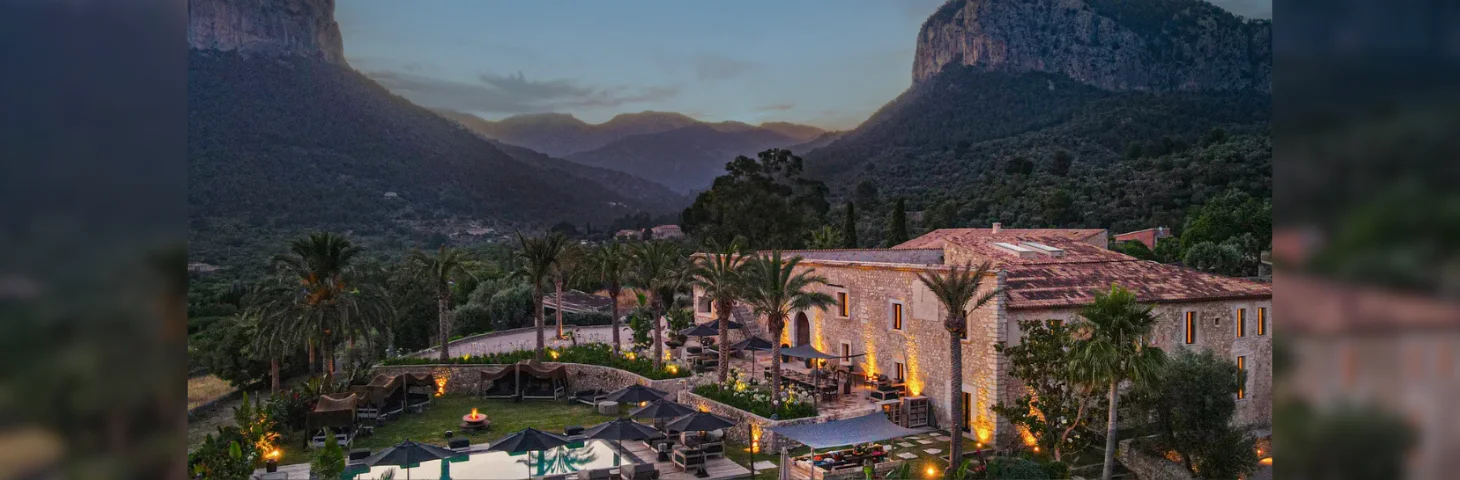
289	408
588	354
1012	468
222	456
329	462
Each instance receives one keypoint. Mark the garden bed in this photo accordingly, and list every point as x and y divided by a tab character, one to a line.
588	354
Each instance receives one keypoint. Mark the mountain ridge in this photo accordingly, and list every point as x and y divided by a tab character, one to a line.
685	159
1158	45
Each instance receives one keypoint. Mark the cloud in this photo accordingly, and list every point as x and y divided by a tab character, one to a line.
513	93
714	66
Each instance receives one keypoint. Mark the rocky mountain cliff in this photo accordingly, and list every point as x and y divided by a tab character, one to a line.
1151	45
295	28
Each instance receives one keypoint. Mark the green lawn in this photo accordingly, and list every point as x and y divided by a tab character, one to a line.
445	414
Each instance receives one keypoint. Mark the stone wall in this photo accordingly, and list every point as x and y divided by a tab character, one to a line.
1147	466
1216	331
922	344
465	380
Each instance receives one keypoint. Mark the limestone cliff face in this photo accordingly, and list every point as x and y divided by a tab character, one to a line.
300	28
1150	45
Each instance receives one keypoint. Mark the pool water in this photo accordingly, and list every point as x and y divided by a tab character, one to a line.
590	455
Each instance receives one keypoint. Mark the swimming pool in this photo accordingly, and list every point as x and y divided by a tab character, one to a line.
589	455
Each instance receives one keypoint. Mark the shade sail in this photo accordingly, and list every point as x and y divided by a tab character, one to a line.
809	352
872	427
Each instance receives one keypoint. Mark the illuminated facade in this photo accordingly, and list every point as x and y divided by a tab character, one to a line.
897	323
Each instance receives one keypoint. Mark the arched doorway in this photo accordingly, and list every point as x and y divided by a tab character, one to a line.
802	330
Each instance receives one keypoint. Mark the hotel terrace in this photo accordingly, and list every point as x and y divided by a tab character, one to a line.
888	317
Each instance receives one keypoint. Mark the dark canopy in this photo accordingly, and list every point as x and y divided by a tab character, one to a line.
528	440
379	391
661	408
753	344
809	352
407	453
872	427
699	422
636	393
621	429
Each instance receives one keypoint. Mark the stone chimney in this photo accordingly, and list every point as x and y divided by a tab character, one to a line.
997	227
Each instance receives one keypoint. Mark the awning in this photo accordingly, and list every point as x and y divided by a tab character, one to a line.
809	352
872	427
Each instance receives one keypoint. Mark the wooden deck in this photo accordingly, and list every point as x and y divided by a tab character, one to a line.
718	468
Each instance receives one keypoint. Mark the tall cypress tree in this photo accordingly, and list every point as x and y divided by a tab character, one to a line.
849	229
897	228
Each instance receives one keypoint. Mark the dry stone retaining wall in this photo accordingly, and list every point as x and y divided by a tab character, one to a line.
465	379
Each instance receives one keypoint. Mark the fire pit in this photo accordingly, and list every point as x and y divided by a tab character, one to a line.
474	422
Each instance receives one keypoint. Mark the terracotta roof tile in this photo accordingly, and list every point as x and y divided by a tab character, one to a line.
1072	284
935	238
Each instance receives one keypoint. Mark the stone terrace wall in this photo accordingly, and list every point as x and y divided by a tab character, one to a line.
464	379
1149	467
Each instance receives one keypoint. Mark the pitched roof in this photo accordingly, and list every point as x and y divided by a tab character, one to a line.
919	256
1073	284
936	238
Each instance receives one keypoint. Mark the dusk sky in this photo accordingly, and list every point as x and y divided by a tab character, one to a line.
823	63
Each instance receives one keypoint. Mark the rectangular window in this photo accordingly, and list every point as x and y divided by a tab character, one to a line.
1262	321
1241	322
1190	328
967	410
846	354
900	370
841	301
1242	368
704	304
897	316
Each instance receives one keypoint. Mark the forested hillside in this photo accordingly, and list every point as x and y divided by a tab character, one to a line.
281	145
1033	149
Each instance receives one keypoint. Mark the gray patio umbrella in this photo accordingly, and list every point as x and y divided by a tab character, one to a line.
701	330
809	352
620	430
715	324
528	440
699	422
635	394
406	453
752	345
661	410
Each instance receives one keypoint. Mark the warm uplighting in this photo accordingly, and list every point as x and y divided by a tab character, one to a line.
440	386
553	353
1266	461
274	455
1036	449
667	356
983	434
673	369
631	356
754	438
931	472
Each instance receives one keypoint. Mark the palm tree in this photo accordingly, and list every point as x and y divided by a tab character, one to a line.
718	274
611	263
658	269
1116	352
774	289
958	290
564	271
539	256
314	294
439	271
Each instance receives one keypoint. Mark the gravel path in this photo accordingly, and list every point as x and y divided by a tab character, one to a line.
526	339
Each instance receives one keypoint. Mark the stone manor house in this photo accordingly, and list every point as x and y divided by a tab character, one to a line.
886	313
